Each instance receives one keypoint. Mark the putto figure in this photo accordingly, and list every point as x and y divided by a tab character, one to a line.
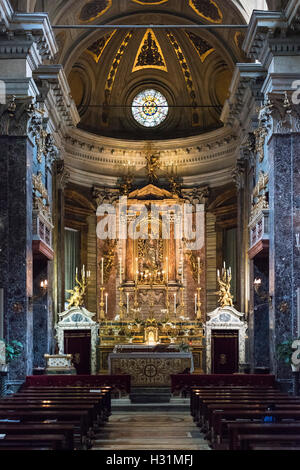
79	291
224	280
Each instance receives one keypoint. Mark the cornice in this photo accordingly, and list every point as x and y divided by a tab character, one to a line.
39	26
110	157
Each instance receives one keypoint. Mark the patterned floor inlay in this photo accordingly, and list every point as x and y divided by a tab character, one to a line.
137	430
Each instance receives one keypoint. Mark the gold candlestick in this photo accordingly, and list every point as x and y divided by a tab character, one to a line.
102	313
199	313
121	303
136	291
182	306
167	297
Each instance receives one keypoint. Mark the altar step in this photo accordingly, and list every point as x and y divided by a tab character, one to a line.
150	395
175	405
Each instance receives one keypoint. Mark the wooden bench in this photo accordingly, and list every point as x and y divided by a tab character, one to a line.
54	441
221	418
76	417
245	440
234	429
67	430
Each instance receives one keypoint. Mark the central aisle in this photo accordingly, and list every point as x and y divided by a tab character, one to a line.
133	428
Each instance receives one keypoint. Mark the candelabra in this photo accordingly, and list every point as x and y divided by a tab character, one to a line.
121	303
199	313
102	313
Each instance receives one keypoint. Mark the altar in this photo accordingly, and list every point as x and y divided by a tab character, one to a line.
150	366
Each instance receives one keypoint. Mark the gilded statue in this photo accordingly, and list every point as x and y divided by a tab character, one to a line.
78	293
225	296
153	165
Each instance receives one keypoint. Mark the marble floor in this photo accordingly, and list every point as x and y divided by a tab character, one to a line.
150	428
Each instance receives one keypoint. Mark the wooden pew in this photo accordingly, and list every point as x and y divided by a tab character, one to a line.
78	418
234	429
245	440
54	441
67	430
222	417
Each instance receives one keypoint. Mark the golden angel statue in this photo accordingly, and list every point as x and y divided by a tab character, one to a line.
78	293
225	296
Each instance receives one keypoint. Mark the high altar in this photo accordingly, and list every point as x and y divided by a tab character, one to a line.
151	287
151	320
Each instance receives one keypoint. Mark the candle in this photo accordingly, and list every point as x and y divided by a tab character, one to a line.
120	270
196	298
218	274
199	271
83	271
175	303
76	272
106	303
102	271
167	263
127	294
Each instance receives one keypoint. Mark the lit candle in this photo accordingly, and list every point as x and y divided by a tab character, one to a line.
83	271
218	274
102	271
106	303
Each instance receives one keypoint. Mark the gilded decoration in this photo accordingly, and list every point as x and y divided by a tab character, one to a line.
202	47
261	135
78	294
239	39
207	9
262	183
38	185
113	73
187	76
150	2
97	48
153	165
93	10
224	280
194	264
109	253
150	54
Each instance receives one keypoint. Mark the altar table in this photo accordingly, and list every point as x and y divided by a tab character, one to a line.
150	369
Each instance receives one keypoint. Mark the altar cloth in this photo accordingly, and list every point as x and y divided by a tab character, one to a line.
150	369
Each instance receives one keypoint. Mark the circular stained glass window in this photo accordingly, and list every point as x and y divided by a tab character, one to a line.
150	108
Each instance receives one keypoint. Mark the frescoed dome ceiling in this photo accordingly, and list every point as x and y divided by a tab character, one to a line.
108	68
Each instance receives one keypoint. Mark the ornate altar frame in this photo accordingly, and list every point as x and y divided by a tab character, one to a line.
78	319
226	318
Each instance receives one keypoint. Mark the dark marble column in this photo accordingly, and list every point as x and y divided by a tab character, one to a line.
260	345
284	187
59	183
42	313
16	154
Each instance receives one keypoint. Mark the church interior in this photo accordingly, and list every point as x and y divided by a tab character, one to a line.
150	224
